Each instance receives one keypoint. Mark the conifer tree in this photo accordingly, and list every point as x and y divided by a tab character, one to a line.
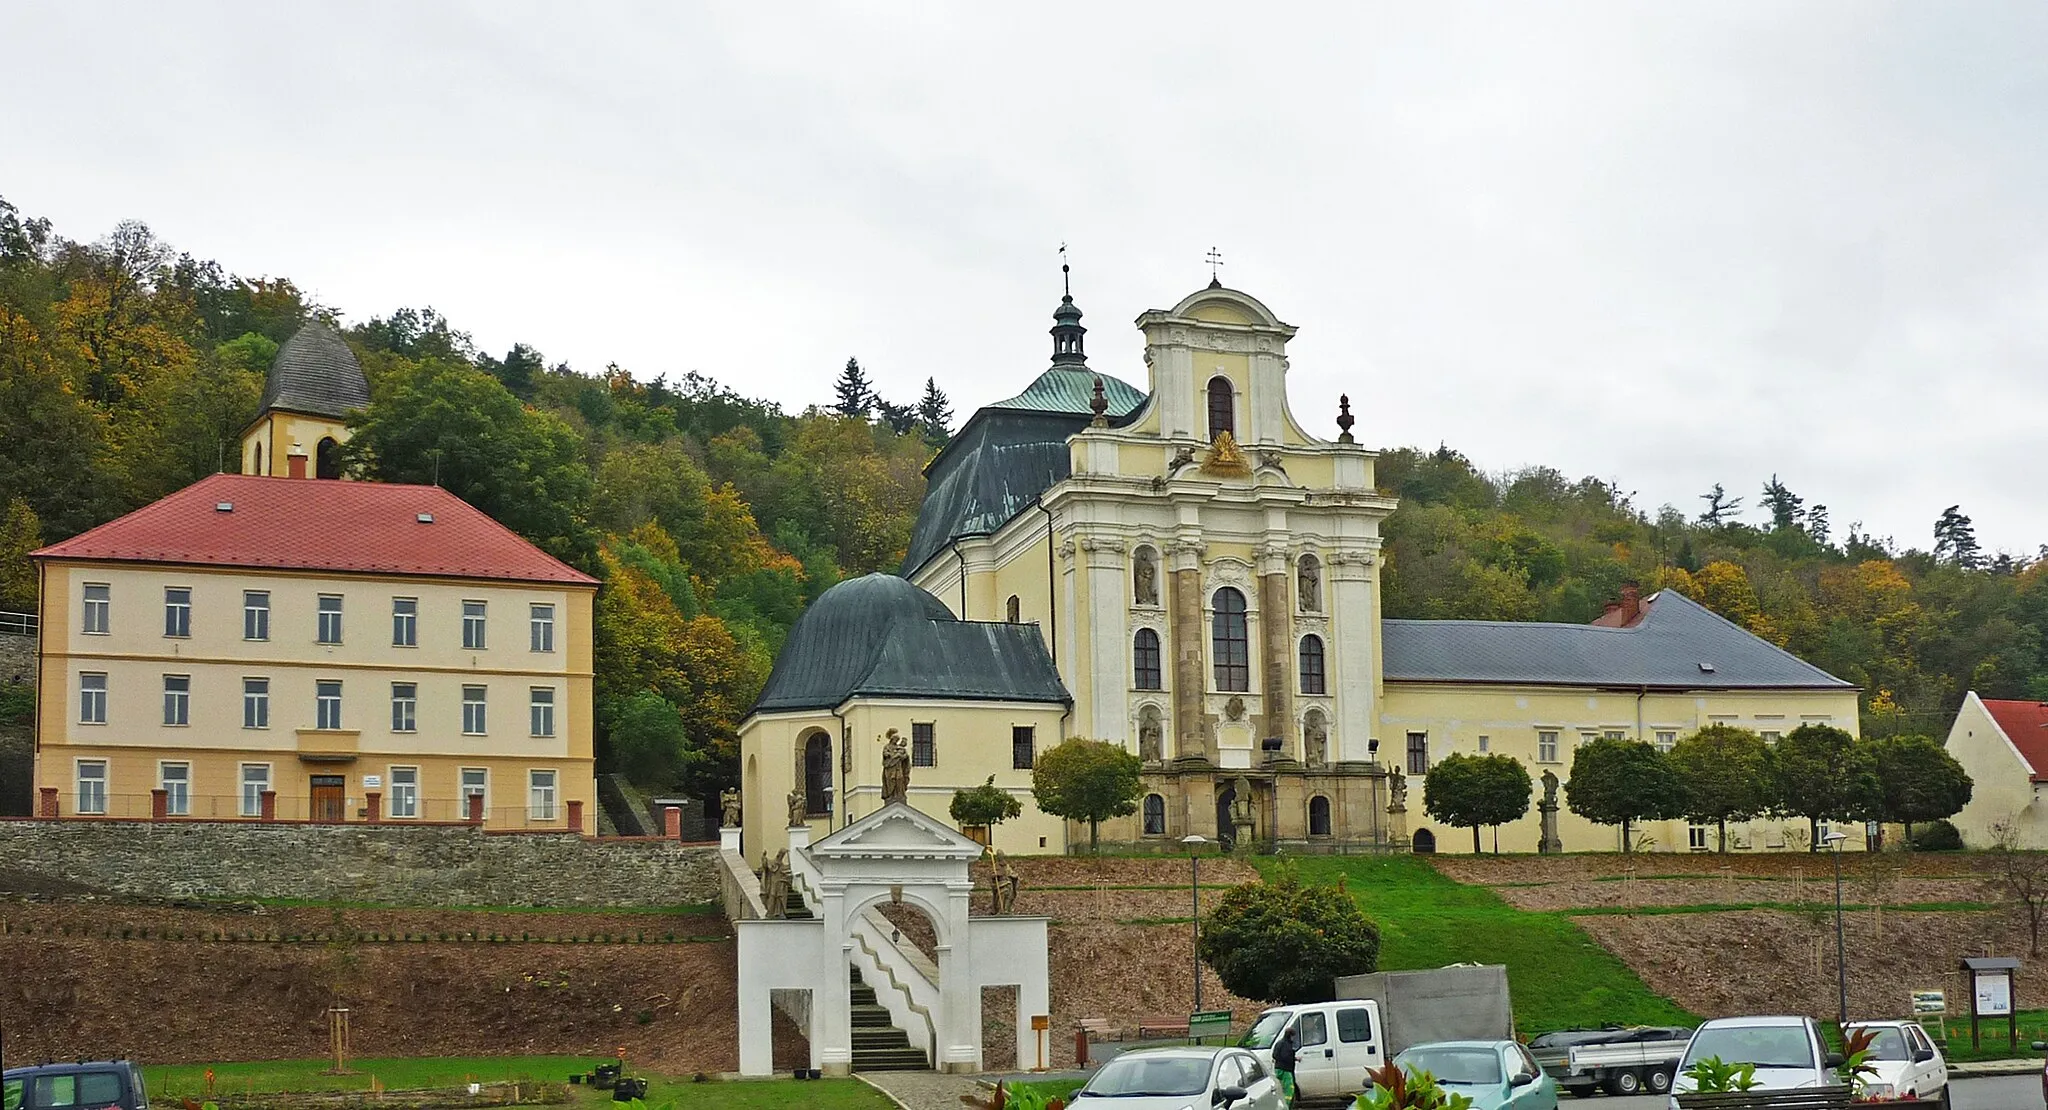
1817	524
935	413
856	392
1720	506
1785	506
1955	539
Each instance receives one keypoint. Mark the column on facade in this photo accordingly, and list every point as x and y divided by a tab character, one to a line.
1190	730
1352	670
1107	641
959	1025
832	998
1276	623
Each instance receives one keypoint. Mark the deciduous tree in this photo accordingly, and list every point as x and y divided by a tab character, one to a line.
1819	773
1620	782
1286	941
1087	780
987	805
1725	773
1915	780
1468	791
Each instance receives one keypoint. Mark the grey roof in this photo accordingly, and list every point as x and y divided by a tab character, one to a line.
880	636
1671	647
1006	455
315	373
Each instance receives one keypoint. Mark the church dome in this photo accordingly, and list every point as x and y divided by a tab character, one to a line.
315	373
833	645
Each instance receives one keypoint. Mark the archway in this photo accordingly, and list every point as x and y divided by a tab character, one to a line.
817	775
1425	842
327	463
1226	835
1319	816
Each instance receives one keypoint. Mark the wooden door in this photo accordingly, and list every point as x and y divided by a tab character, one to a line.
330	796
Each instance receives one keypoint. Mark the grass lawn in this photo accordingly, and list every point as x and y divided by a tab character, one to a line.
275	1076
1557	975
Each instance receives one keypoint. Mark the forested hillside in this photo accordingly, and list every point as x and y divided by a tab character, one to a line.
128	369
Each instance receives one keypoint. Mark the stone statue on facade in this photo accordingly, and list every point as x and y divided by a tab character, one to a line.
1315	740
1150	741
1242	821
729	807
1398	793
775	884
1311	582
1003	884
799	808
1145	578
895	768
1549	843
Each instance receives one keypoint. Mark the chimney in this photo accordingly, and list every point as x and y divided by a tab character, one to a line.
1631	603
1610	609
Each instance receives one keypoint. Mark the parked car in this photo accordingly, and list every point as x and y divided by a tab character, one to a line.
1179	1079
88	1083
1905	1060
1337	1043
1788	1052
1495	1075
1378	1015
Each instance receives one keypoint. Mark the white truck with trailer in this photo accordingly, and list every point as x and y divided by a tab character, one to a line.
1628	1066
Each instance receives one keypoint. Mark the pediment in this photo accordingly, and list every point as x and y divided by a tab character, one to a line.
896	831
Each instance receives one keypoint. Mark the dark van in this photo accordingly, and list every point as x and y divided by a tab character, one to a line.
88	1085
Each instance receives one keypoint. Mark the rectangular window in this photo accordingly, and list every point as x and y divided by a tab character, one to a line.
255	703
178	611
541	628
1665	739
99	600
1022	739
92	786
92	698
1696	837
543	711
255	614
1586	738
1313	1029
540	789
405	622
924	748
1418	753
476	783
1145	669
405	702
473	625
405	791
1614	734
1354	1026
255	780
1485	742
330	618
176	780
1770	737
473	719
327	704
1546	745
177	699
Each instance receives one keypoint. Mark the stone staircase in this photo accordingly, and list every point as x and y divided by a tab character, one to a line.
877	1044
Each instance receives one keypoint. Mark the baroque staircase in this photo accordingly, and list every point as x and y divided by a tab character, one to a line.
877	1044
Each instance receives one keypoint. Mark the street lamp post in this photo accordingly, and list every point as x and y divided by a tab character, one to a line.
1194	841
1834	840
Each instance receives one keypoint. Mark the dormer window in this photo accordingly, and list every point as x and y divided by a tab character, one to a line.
1222	408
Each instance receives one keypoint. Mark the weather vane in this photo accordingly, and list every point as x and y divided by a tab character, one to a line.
1214	258
1065	286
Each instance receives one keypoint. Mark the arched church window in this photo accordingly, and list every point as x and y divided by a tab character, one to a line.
1145	659
328	462
1319	816
1155	815
1016	610
1309	578
1222	408
818	775
1312	681
1230	642
256	466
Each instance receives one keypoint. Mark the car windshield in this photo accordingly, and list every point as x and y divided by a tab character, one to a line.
1266	1032
1889	1044
1459	1066
1766	1046
1129	1076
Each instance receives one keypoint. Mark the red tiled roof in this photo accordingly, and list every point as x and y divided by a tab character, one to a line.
2025	723
310	524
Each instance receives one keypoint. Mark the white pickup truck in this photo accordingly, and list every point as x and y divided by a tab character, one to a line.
1382	1014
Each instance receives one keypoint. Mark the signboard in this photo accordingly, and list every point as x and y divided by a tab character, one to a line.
1208	1023
372	782
1994	995
1929	1004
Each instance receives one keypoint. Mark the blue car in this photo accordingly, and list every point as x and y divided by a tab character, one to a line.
1495	1075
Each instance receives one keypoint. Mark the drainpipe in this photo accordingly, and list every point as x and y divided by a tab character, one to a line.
1640	692
845	760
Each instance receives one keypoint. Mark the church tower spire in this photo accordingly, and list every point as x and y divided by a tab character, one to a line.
1066	329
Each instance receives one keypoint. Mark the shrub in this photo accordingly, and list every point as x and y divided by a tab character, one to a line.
1282	941
1936	836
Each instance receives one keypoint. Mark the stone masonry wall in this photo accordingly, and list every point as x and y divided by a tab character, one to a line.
394	865
17	659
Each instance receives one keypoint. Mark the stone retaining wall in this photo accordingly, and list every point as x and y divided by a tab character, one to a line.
386	864
17	659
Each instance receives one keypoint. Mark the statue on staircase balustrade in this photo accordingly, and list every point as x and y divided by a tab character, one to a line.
775	885
729	808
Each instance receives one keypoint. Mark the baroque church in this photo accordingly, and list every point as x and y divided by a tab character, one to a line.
1185	570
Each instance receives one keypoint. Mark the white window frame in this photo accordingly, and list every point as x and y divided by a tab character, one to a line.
1546	745
98	611
543	802
541	711
252	800
178	612
90	803
1614	734
255	702
476	626
540	619
1770	736
321	718
177	790
321	631
92	700
464	789
405	622
255	615
1696	838
405	707
403	794
177	701
476	711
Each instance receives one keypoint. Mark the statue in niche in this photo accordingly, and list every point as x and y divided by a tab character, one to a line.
1150	742
729	807
1315	740
1241	801
1145	578
895	768
775	884
1311	584
799	812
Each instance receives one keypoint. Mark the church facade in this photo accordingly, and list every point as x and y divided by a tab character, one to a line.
1203	576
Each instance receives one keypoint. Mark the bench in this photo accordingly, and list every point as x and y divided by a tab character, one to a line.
1162	1027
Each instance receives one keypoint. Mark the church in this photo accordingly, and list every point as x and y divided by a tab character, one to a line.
1187	571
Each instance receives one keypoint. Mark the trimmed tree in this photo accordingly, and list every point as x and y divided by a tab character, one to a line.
1913	779
1087	780
1820	773
1468	791
1283	941
1725	772
985	806
1620	782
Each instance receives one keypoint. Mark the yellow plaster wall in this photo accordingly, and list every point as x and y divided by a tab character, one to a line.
278	431
2002	789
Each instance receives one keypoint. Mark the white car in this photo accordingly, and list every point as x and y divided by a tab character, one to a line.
1181	1079
1906	1062
1787	1051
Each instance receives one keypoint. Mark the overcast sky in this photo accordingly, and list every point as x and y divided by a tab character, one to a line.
1668	245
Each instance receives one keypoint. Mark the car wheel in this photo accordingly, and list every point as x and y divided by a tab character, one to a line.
1660	1081
1624	1083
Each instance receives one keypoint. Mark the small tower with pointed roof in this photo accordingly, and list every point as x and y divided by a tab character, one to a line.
313	384
1066	329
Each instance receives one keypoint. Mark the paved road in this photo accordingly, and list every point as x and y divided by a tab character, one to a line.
2018	1092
